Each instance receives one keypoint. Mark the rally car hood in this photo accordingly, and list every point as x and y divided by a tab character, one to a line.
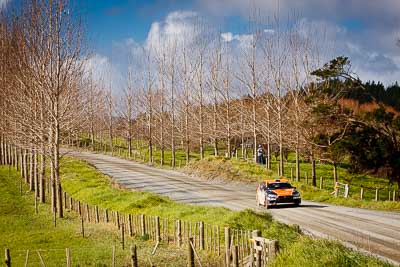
284	192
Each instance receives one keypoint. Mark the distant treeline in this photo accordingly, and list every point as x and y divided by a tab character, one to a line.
389	96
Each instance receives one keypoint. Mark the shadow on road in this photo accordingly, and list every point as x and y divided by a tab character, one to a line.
290	206
312	206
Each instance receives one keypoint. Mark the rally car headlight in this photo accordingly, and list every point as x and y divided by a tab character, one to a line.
272	196
296	194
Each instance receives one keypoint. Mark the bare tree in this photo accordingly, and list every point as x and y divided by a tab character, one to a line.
215	87
172	97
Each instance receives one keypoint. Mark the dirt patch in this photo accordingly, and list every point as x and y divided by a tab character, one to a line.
219	169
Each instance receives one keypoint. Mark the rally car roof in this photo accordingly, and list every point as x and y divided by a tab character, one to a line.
278	180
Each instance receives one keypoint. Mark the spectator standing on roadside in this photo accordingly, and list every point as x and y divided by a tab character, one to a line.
260	155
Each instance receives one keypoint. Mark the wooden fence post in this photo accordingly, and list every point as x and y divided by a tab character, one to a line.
362	193
321	182
306	175
8	258
346	190
291	173
134	260
113	257
106	216
273	250
257	233
130	225
143	224
82	228
376	194
71	205
123	235
87	213
68	257
201	235
97	214
178	233
190	260
394	195
158	236
79	208
117	219
65	199
235	256
227	244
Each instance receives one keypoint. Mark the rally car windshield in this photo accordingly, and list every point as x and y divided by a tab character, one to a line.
273	186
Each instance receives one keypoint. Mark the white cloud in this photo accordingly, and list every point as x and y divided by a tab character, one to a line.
227	37
244	40
178	27
269	31
104	72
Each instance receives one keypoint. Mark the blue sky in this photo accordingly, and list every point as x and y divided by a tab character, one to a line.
364	30
114	21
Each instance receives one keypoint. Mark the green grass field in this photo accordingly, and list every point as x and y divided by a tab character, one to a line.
21	230
84	182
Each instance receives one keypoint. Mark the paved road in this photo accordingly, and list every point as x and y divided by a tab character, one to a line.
372	231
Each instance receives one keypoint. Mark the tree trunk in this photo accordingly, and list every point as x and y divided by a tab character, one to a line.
335	172
201	133
187	140
215	139
150	144
1	151
92	133
162	139
173	118
36	174
201	129
241	129
254	130
57	169
53	188
31	173
297	165
42	182
268	159
26	166
313	172
281	170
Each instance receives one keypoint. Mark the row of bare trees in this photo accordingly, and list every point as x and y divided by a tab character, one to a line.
186	92
42	86
201	91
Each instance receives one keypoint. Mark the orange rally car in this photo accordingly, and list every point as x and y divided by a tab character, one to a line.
278	191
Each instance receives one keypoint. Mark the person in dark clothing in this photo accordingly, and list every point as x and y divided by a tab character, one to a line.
260	155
